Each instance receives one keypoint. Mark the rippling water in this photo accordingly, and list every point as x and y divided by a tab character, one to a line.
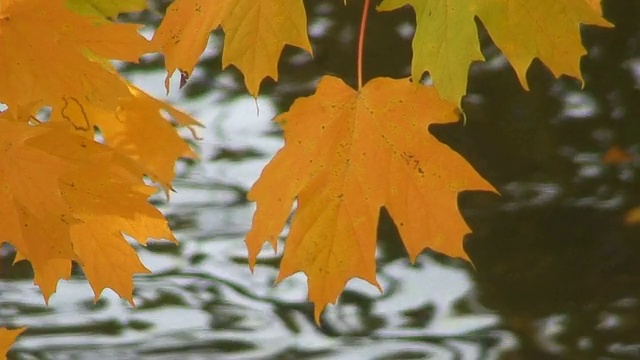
557	271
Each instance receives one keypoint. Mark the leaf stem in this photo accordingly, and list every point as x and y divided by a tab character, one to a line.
363	25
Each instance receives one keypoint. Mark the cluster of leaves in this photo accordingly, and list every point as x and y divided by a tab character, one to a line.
66	197
348	152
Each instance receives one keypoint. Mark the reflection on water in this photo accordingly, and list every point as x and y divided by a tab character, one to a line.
556	269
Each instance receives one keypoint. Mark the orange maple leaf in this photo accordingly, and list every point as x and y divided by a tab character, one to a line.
137	129
79	196
46	51
255	34
346	155
48	274
7	338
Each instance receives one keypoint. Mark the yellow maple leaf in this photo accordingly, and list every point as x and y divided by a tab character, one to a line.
78	196
346	155
548	30
184	32
255	34
106	258
30	204
46	50
137	129
48	274
7	338
446	40
106	8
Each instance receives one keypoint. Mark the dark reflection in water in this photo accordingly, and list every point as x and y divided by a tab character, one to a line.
556	268
553	255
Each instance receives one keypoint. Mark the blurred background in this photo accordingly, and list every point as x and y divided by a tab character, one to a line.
556	256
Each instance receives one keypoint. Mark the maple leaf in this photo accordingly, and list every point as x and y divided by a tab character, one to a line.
137	129
30	204
106	8
48	274
346	155
79	196
255	34
446	40
46	54
7	338
184	31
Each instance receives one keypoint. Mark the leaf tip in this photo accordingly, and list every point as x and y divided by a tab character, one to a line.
317	311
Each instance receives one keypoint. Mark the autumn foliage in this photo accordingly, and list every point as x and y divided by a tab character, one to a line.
67	197
342	161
